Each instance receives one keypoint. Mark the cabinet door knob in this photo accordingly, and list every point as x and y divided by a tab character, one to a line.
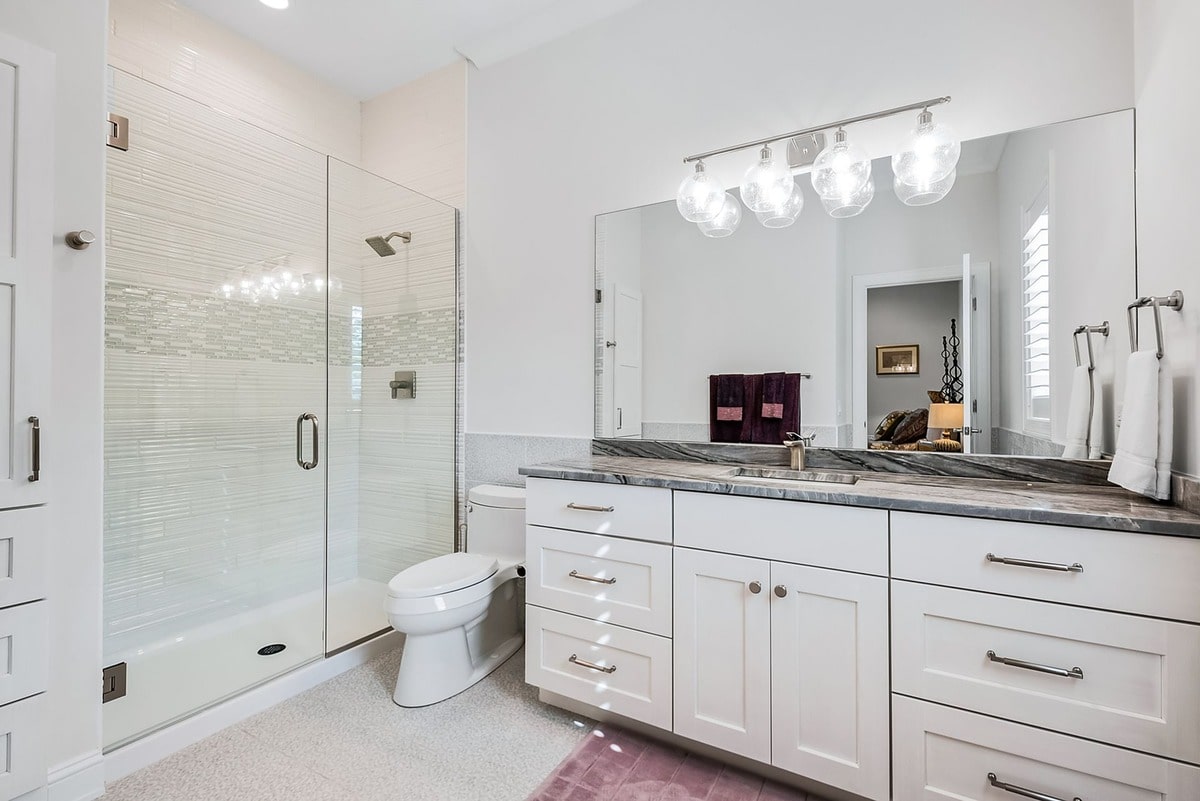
780	590
754	587
79	240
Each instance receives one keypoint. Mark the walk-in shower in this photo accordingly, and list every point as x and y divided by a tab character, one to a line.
239	299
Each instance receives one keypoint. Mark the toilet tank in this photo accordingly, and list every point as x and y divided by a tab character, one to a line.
496	522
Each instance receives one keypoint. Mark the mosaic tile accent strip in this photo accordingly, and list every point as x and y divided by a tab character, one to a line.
405	338
160	322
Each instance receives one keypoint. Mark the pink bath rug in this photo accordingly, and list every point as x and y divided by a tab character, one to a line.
614	765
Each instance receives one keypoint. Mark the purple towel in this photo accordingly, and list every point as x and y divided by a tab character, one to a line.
772	402
730	398
724	430
771	431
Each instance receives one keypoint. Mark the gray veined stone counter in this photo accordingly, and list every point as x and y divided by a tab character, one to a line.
1089	506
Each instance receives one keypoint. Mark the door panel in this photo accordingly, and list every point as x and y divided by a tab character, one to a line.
829	677
723	652
26	214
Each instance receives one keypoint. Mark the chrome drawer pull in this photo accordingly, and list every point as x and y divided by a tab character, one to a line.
1072	673
1021	791
583	507
36	474
591	665
577	575
1004	560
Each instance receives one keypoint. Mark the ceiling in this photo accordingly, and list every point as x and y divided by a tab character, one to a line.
366	47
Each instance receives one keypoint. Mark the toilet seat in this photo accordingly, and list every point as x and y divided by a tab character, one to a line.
442	574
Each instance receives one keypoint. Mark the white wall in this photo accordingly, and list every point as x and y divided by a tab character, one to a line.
1168	194
75	31
748	303
905	315
573	129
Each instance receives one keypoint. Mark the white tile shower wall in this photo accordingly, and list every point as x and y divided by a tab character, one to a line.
175	47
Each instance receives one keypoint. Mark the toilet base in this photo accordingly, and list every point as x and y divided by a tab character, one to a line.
430	680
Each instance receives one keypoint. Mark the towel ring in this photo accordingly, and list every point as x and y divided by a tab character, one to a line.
1087	331
1172	301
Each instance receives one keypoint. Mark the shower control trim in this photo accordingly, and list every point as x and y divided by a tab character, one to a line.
404	385
316	437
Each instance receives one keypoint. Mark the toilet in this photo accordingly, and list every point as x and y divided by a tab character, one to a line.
458	612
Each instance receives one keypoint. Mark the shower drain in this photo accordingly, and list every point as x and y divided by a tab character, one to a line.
272	649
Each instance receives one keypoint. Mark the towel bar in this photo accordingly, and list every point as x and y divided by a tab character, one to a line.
1172	301
1087	331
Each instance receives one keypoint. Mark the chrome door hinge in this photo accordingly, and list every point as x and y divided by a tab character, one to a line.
114	683
118	131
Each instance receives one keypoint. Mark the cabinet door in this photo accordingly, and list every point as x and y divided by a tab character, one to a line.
723	652
26	181
829	677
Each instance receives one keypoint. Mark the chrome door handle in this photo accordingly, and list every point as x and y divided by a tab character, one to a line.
591	665
1005	560
577	575
583	507
1022	791
36	475
316	432
754	587
1066	673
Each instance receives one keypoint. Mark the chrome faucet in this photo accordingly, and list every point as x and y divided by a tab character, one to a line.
796	445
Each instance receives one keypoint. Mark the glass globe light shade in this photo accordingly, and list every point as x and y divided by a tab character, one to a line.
767	183
785	213
699	198
930	155
924	194
852	204
841	169
727	220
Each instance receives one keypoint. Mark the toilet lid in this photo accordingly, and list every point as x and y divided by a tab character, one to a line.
441	574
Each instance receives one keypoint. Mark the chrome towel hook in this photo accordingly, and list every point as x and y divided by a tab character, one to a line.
1172	301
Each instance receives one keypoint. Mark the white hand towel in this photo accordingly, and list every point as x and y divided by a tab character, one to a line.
1143	459
1096	428
1079	413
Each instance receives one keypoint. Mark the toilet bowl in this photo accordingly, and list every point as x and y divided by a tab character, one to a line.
458	611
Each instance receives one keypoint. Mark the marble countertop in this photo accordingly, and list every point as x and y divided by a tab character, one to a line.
1109	507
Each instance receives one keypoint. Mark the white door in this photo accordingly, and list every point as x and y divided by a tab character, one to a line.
627	362
723	651
829	677
976	342
26	209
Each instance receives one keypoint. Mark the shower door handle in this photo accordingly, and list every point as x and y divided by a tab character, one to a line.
316	435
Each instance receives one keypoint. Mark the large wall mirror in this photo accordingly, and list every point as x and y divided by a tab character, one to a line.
983	289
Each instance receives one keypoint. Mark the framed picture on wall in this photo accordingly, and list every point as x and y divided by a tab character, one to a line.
897	359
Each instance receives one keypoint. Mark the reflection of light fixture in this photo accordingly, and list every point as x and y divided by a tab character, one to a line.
727	220
851	204
946	416
785	213
273	280
699	198
924	194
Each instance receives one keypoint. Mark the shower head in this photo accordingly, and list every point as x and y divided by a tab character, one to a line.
381	245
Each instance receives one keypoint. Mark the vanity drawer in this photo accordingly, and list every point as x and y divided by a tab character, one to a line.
940	753
23	757
619	581
24	550
24	648
1138	675
817	534
639	513
1126	572
630	671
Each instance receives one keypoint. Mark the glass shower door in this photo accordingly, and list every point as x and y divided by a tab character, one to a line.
215	350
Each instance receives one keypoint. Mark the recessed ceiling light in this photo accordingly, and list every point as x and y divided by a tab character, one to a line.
278	4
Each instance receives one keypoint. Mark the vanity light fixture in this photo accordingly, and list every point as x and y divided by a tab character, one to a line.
699	198
768	184
841	173
842	169
727	220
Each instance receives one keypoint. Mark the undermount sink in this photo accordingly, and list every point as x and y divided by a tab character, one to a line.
805	476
